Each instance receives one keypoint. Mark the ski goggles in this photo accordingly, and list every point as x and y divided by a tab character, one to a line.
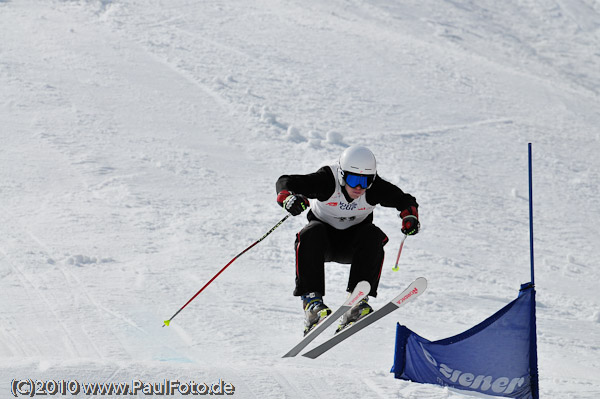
354	180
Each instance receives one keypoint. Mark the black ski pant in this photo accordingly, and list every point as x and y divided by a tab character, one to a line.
361	246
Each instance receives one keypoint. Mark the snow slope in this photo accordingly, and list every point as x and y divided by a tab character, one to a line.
140	144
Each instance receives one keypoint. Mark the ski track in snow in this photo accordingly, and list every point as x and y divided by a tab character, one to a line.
141	141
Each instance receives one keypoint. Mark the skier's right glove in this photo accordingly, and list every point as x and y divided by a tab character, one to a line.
293	203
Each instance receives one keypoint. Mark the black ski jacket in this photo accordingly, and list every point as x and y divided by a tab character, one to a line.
321	185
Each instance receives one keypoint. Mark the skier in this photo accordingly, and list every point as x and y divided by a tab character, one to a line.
340	227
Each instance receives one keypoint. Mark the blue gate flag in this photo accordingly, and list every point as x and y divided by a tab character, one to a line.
497	357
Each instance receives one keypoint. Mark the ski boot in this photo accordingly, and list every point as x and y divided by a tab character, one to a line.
357	312
314	310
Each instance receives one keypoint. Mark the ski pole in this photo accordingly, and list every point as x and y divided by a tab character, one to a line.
396	268
166	322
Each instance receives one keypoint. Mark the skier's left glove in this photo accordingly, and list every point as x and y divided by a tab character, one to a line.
293	203
410	221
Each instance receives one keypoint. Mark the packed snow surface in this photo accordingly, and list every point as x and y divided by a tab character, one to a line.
141	142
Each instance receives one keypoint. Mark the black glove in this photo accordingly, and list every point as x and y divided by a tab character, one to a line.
293	203
410	221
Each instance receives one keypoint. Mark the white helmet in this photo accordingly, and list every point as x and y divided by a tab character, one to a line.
357	160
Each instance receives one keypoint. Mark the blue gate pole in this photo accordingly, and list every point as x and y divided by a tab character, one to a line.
533	360
531	217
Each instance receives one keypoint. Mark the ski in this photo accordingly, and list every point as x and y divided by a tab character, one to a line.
410	293
360	291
